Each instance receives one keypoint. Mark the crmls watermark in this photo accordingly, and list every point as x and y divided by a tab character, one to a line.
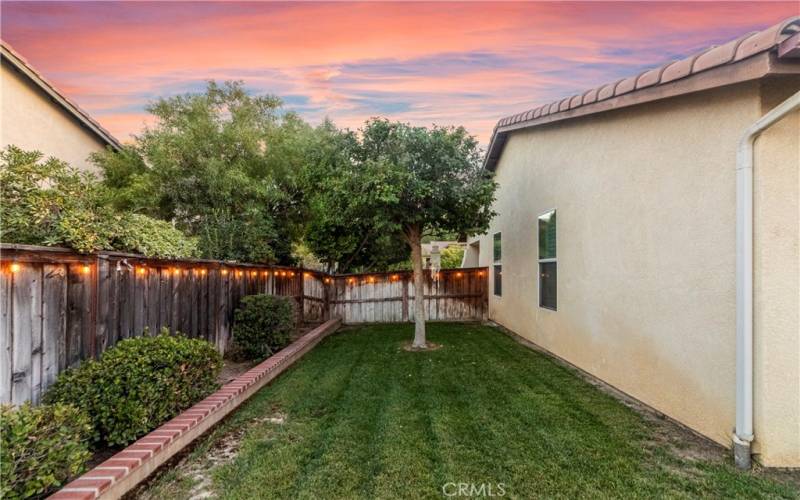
474	489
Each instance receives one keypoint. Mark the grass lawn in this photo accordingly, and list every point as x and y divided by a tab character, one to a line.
359	417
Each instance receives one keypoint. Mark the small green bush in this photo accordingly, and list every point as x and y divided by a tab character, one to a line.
41	447
263	324
138	384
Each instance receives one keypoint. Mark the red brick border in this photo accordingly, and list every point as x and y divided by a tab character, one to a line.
120	473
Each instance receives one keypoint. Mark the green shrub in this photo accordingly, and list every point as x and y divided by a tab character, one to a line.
47	202
263	324
139	384
152	237
41	447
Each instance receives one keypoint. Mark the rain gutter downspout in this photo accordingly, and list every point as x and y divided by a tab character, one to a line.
743	435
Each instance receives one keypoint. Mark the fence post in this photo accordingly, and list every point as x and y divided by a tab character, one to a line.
405	297
302	302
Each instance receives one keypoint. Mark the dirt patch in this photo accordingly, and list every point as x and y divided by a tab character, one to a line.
431	346
232	369
200	472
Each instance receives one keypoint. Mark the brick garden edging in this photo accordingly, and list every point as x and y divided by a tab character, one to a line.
120	473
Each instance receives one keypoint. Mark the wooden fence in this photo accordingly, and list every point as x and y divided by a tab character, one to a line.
59	307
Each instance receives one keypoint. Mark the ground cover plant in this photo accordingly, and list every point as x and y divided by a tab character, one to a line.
360	417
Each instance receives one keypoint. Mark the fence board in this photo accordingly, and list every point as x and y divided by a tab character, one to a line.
59	307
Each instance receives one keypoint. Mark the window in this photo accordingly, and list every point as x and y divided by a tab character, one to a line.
548	264
498	267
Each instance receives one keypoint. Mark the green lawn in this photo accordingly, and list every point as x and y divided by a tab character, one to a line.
365	419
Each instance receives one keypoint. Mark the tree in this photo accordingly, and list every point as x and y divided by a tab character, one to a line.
223	166
48	202
395	179
452	257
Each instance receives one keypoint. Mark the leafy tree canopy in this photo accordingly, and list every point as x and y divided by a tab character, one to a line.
47	202
398	182
223	165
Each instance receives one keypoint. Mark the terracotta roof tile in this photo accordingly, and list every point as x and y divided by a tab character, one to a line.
607	91
626	85
713	57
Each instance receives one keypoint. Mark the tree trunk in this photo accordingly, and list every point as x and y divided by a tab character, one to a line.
414	236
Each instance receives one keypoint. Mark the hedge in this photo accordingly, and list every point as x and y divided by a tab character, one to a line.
139	384
41	447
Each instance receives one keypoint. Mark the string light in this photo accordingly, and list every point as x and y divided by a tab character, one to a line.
371	279
140	270
14	267
352	280
254	273
239	274
185	272
203	272
394	277
224	272
266	273
291	274
306	275
458	275
85	269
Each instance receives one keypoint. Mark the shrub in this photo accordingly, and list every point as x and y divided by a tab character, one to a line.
41	447
152	237
263	324
139	384
47	202
452	257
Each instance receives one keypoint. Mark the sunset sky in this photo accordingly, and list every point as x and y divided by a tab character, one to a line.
445	63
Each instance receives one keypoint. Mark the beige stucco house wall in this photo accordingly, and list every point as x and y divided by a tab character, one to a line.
645	197
36	116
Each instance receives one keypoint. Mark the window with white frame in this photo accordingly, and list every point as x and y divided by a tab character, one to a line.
498	266
548	263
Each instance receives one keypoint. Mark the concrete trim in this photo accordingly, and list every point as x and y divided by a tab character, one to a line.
136	462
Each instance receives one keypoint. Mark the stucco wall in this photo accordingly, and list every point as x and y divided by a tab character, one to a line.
646	257
31	121
776	273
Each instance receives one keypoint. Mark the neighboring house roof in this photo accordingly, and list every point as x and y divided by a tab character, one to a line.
753	55
19	62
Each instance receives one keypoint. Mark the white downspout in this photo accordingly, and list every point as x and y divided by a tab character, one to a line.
743	435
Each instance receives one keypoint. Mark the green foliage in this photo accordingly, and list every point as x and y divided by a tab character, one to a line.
223	165
139	384
263	324
395	181
47	202
41	447
452	257
156	238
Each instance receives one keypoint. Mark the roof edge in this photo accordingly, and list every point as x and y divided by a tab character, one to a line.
22	65
748	57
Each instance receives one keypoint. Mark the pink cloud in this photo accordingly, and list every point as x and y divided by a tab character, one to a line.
353	61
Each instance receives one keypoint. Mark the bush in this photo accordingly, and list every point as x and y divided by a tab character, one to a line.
152	237
47	202
452	257
41	448
263	324
140	383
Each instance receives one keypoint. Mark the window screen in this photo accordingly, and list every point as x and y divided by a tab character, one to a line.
497	247
548	261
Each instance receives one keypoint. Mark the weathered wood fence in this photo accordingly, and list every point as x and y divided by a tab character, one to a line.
59	307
